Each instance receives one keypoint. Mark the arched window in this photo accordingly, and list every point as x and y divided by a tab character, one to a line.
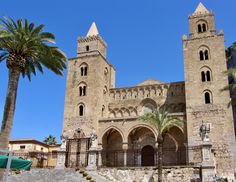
81	110
208	76
206	57
199	28
82	90
83	69
207	97
203	27
147	108
203	76
204	53
201	55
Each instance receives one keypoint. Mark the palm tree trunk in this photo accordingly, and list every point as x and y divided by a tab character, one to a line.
160	145
9	109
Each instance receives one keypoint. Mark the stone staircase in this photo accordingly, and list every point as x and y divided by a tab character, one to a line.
48	175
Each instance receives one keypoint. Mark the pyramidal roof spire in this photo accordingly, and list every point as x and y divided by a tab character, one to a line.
93	30
201	9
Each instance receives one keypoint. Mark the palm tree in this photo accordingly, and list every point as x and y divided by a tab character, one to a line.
162	122
26	48
50	140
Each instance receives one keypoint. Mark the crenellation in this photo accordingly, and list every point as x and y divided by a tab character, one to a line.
147	91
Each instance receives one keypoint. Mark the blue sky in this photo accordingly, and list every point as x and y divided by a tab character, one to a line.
144	42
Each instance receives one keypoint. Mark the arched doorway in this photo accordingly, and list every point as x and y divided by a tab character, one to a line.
139	141
112	155
147	154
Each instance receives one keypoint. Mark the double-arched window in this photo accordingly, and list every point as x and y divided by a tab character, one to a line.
204	53
206	75
83	69
202	26
82	89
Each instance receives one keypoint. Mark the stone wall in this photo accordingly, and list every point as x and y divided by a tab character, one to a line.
177	174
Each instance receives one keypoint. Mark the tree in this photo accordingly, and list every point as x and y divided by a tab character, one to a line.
26	48
162	122
50	140
231	72
229	51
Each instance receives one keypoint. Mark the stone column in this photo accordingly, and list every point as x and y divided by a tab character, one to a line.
61	155
208	167
99	155
93	152
125	148
92	160
61	159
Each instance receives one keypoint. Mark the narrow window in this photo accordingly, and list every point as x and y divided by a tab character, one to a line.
85	71
208	76
207	98
203	76
206	55
199	28
80	91
82	71
81	110
87	48
103	109
201	55
84	90
203	27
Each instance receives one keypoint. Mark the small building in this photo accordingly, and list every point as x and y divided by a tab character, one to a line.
41	154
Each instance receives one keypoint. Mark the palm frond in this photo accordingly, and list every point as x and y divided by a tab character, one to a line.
29	42
174	140
162	121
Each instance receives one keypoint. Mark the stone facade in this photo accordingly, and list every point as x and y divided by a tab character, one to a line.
92	102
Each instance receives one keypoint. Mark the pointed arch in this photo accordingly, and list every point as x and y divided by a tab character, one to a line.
113	128
143	126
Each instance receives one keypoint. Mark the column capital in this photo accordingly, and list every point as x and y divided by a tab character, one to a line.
100	146
125	146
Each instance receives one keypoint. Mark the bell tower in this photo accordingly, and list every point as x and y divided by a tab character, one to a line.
204	64
89	79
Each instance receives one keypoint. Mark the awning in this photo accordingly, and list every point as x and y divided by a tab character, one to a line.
16	163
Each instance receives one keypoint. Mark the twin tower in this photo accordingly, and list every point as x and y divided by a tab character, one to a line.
91	79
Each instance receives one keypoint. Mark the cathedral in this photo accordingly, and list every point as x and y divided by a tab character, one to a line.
94	106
